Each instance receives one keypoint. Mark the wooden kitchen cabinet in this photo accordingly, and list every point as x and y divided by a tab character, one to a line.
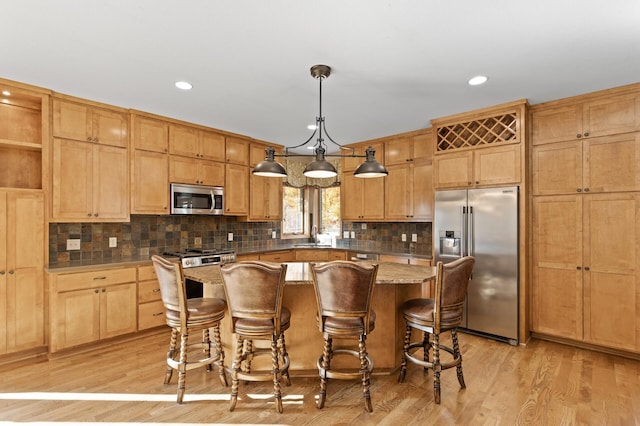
90	182
237	151
196	143
149	134
24	125
586	271
478	167
595	165
278	256
150	306
196	171
89	306
409	192
21	270
150	183
311	255
265	202
592	117
362	199
236	193
86	122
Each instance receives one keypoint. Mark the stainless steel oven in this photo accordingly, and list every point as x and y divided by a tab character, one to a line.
197	199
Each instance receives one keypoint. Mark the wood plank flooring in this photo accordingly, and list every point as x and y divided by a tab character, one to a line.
543	383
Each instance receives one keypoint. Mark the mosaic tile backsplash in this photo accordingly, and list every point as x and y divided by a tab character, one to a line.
147	235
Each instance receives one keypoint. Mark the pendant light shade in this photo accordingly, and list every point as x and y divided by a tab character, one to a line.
319	167
370	168
270	167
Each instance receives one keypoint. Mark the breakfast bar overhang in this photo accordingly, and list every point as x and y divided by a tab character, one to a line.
395	284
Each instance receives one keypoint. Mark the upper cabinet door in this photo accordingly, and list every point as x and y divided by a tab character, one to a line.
611	115
77	121
183	140
237	151
556	124
212	146
150	134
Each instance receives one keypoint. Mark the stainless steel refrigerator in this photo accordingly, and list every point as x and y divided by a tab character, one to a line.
483	223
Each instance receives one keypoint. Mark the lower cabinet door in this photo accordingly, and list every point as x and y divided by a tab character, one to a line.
118	310
77	318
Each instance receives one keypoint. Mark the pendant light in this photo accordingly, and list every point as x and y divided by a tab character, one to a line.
319	167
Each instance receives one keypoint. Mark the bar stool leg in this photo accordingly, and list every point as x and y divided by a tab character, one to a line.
235	368
364	367
171	352
283	357
325	362
218	343
276	373
457	356
405	350
206	346
182	366
436	368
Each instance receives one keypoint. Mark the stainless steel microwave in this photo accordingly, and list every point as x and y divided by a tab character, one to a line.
197	199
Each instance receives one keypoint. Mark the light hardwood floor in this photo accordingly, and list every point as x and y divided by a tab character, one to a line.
541	384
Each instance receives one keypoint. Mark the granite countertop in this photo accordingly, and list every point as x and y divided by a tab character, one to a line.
299	273
142	260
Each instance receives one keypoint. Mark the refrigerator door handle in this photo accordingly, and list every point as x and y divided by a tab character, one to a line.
463	231
470	232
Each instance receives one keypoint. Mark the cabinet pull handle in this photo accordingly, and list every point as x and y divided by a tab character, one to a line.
99	278
157	314
156	290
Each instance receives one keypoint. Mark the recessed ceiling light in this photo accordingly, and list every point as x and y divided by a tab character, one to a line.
6	93
184	85
477	80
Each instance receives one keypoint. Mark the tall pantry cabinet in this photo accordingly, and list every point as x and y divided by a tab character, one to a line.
24	115
586	219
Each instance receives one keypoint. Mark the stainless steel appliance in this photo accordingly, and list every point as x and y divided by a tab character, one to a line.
483	223
194	258
360	256
196	199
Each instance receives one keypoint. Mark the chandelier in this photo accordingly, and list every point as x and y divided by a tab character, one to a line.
320	167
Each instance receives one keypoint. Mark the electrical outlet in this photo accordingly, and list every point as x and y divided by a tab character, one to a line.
274	235
113	242
353	234
404	238
414	238
73	244
230	236
197	241
345	234
363	226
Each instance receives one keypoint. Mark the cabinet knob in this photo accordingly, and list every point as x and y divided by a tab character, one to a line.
11	272
477	182
578	189
95	214
104	289
578	268
469	183
89	214
586	268
586	190
1	272
578	136
586	134
96	291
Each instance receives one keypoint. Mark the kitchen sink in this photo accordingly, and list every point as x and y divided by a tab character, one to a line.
312	245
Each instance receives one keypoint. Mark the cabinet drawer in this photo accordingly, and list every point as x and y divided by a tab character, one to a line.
150	315
312	255
148	291
99	278
146	273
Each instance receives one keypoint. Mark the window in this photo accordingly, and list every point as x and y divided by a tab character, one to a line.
329	211
293	212
304	207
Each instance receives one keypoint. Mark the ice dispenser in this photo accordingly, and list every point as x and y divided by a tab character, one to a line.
450	244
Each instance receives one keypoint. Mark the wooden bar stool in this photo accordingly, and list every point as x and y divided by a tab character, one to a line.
184	316
254	292
343	292
436	316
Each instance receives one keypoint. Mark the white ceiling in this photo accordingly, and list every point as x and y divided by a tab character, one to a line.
395	64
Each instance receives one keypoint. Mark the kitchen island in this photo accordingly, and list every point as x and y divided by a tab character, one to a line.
395	283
